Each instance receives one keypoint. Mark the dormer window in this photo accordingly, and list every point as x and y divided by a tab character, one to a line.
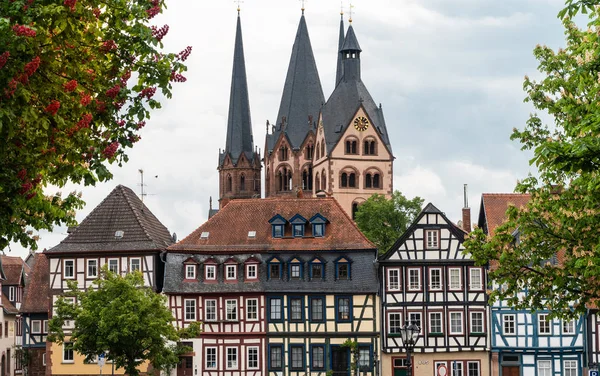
318	225
298	224
230	272
342	269
295	269
274	269
278	231
251	272
210	273
190	272
298	231
317	269
277	225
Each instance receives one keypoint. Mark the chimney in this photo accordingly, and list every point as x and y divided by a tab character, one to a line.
466	212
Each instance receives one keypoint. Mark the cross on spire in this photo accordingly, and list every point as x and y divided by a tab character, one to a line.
350	12
303	5
342	7
239	2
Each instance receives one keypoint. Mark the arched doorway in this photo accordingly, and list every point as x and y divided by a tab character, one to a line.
3	365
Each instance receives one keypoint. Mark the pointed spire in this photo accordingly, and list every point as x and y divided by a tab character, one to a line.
351	42
239	126
302	93
340	72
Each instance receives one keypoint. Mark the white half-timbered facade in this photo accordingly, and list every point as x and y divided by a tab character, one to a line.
427	279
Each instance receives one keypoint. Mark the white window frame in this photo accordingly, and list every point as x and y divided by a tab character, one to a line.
44	359
131	264
543	318
109	261
441	321
72	275
11	293
188	315
295	270
64	353
471	320
544	367
439	286
248	360
248	318
210	269
509	318
457	368
473	275
227	317
391	284
451	284
190	268
410	279
39	326
235	353
206	358
45	326
206	310
571	366
251	271
87	268
478	368
229	268
462	329
434	242
420	315
568	327
389	319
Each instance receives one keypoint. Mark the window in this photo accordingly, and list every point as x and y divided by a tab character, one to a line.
544	368
568	327
36	326
309	151
113	265
508	324
318	230
457	368
351	147
348	180
231	310
432	239
232	357
296	309
11	293
242	182
344	309
275	309
296	357
473	369
211	272
317	309
475	279
544	324
190	272
435	279
316	270
210	310
44	359
455	280
364	358
414	279
393	277
395	322
252	357
456	323
283	153
135	264
435	323
477	322
45	326
342	269
275	357
190	309
570	367
278	231
274	270
68	352
92	268
69	269
231	272
229	183
295	272
415	318
372	180
317	357
211	358
251	271
298	231
251	309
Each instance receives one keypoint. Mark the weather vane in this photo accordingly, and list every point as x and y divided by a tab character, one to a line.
350	13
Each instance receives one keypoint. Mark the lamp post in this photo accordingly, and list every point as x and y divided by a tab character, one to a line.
409	334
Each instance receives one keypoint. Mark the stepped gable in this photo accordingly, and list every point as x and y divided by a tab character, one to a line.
492	212
121	210
36	298
228	229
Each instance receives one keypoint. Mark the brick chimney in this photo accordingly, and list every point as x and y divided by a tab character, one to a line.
466	212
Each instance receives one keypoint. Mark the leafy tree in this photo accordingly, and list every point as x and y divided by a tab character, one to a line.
556	252
384	220
123	318
77	83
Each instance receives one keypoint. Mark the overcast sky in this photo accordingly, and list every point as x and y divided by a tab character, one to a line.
448	73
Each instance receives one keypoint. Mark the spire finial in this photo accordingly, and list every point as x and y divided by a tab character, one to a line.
303	5
350	12
239	2
341	7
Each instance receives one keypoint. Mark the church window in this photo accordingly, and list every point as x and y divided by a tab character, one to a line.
368	181
348	180
318	182
344	180
376	183
318	150
284	177
372	180
307	179
283	153
369	147
309	151
229	184
242	182
323	181
352	180
256	183
323	150
351	146
354	209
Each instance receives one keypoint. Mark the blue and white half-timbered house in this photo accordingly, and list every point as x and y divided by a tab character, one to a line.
427	279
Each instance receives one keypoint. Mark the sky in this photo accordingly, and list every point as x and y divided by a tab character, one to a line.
448	74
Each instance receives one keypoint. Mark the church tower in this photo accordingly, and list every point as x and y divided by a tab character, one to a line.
353	158
290	145
239	164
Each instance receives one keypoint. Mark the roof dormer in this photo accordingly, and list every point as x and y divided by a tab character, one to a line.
278	226
298	225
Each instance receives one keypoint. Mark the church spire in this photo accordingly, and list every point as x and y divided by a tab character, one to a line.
339	72
351	56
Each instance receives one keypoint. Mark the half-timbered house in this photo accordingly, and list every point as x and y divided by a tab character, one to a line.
427	279
526	343
280	285
122	233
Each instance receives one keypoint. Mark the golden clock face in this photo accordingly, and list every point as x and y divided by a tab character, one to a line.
361	123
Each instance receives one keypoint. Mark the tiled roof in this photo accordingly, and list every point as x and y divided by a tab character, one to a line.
228	229
12	267
36	296
492	212
121	210
8	307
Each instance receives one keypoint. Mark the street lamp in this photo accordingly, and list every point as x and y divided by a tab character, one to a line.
409	334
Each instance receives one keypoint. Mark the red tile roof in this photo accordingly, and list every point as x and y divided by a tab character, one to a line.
494	206
36	297
12	267
228	229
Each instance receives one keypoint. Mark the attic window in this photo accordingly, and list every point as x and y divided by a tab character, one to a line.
204	235
252	234
119	234
338	128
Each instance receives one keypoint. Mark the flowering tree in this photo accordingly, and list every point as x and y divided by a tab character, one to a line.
78	80
555	251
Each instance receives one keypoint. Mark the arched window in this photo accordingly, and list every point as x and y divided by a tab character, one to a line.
307	183
368	181
242	182
309	151
318	182
376	183
369	147
348	179
256	183
283	153
228	183
323	150
351	146
284	178
318	150
344	180
323	181
373	179
354	209
352	180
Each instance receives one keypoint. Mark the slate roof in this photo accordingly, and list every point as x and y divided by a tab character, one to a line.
12	269
239	125
228	229
492	211
340	70
121	210
302	93
36	298
351	42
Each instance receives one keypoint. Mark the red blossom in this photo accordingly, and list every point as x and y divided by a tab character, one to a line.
125	77
134	138
159	33
4	59
96	12
70	4
32	66
177	77
100	106
141	125
85	121
22	174
12	86
109	45
153	11
26	187
53	107
147	92
85	99
70	86
23	78
183	55
110	150
121	123
23	31
30	196
113	91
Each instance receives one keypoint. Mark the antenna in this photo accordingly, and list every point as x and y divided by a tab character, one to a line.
142	185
